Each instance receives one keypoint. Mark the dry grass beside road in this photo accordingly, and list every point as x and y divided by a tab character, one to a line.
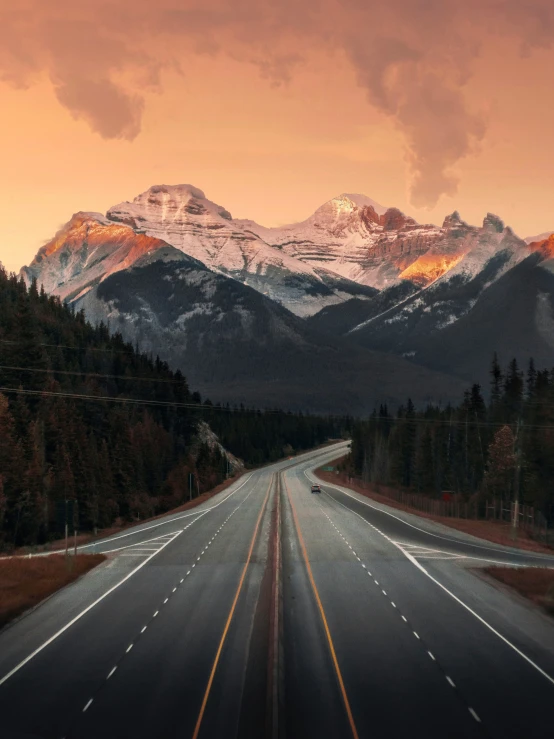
497	532
25	582
58	544
535	583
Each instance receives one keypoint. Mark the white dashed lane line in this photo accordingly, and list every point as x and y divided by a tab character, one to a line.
166	600
405	620
427	574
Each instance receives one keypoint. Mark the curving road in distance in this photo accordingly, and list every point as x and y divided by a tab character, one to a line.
269	611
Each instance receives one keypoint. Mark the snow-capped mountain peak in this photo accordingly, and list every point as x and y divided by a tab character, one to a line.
345	205
363	200
85	251
350	246
183	217
170	206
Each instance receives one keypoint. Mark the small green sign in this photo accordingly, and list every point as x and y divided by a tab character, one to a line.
329	468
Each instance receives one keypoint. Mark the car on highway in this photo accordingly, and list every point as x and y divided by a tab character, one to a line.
316	488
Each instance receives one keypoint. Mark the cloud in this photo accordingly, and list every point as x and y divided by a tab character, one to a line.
413	58
106	108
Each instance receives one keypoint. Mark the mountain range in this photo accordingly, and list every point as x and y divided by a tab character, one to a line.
356	305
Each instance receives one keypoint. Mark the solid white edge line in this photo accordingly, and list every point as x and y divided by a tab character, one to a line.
81	614
74	620
101	542
481	619
455	597
520	552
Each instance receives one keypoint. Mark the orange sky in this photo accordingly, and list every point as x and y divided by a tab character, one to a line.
271	135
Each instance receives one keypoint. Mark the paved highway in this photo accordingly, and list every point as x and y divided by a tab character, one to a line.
365	622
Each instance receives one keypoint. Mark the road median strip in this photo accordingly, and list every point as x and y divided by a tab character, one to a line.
230	616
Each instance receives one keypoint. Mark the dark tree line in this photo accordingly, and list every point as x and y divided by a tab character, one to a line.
501	446
119	460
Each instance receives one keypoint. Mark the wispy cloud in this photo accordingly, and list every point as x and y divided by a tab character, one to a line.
413	58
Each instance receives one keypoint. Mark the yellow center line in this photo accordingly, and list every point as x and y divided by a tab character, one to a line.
322	614
229	618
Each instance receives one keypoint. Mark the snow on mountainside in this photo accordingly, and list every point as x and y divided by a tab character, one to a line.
439	288
495	297
464	255
175	271
233	343
355	237
349	248
463	251
182	216
85	251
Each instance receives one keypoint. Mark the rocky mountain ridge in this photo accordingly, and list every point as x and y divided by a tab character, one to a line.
182	216
285	312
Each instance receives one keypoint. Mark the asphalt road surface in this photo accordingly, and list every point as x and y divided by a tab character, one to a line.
269	611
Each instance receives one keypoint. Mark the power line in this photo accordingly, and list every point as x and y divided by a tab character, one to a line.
98	375
130	352
140	401
94	374
448	422
261	411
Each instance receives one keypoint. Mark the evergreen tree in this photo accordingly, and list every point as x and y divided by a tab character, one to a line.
501	464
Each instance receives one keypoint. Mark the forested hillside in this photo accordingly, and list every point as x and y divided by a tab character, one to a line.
501	446
86	416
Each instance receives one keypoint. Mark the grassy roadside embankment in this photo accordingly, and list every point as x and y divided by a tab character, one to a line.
58	544
534	583
26	582
82	539
497	532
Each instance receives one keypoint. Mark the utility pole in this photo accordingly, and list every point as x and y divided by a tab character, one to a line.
66	531
75	523
190	485
517	452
